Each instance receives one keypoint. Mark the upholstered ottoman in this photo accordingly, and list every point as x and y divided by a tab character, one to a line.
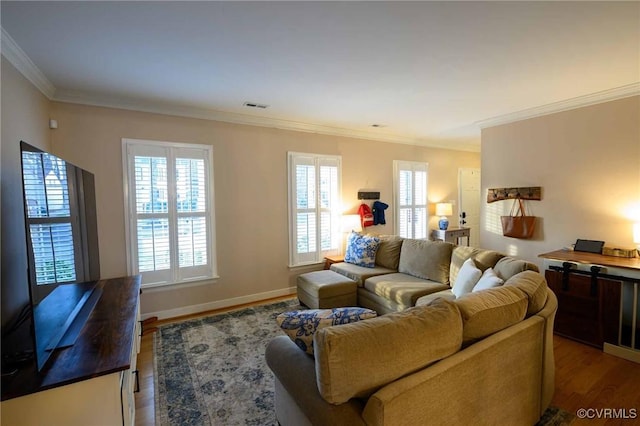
326	289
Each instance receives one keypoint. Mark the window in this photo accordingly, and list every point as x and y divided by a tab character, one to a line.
169	210
411	198
314	207
50	218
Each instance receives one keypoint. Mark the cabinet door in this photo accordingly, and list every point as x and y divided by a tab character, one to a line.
609	292
586	313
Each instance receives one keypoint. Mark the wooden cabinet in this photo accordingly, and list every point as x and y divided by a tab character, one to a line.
588	308
598	300
91	382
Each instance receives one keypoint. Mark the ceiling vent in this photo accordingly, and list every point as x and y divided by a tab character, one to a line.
255	105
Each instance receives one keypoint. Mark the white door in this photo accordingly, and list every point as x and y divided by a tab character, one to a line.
469	202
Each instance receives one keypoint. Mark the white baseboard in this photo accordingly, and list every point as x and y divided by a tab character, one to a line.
622	352
219	304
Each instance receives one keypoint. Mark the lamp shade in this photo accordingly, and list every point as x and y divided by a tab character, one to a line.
444	209
350	222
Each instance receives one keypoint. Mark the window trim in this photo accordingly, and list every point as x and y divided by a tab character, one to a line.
415	166
130	233
291	208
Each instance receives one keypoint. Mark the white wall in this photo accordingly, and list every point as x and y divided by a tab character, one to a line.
586	160
250	177
25	116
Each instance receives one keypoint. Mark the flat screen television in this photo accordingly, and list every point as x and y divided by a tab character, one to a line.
62	248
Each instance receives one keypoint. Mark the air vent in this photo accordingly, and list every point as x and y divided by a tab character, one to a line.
378	125
255	105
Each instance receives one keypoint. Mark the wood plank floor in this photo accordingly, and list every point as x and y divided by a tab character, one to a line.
585	378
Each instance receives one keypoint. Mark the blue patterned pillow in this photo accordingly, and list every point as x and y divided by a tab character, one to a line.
361	250
300	326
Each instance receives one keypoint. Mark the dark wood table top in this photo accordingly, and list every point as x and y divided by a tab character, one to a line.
103	347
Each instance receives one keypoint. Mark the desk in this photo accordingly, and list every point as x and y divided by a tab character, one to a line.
451	235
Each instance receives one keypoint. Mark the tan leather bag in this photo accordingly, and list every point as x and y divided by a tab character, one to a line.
518	225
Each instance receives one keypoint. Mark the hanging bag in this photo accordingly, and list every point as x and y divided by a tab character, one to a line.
518	225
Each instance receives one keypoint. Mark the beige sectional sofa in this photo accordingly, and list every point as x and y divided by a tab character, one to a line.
483	358
407	270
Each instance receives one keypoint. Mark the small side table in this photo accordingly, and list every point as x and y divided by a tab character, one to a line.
451	235
330	260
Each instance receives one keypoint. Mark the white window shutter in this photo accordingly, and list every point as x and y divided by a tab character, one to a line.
170	211
410	189
314	200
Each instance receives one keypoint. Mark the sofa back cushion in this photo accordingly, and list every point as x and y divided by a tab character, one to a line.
355	360
483	259
388	255
489	311
426	259
535	287
509	266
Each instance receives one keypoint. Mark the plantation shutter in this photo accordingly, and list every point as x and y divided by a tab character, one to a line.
170	212
314	198
411	199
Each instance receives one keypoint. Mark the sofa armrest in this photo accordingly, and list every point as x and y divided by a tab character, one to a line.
295	370
548	313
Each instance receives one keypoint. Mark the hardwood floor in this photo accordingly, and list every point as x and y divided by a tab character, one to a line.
586	378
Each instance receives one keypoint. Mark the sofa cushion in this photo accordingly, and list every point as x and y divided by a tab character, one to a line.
466	279
358	273
488	280
354	360
388	255
483	259
509	266
487	312
401	288
534	285
300	326
361	250
426	259
430	298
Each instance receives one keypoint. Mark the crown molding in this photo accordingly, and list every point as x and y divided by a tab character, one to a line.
252	120
16	56
632	89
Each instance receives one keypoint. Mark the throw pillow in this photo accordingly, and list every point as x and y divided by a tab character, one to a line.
467	278
489	279
300	326
361	250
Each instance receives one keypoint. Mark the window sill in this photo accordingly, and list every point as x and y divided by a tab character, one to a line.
153	287
307	265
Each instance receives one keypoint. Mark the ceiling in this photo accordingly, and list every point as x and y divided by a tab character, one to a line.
429	73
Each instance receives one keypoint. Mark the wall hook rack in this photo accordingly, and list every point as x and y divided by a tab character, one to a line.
368	195
524	193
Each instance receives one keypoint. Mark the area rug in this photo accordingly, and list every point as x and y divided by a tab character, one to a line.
211	370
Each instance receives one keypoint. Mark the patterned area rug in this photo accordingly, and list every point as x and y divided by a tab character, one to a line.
211	370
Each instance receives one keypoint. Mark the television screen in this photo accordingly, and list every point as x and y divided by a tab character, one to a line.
62	246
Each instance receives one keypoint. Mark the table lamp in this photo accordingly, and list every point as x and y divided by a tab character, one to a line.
443	210
350	222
